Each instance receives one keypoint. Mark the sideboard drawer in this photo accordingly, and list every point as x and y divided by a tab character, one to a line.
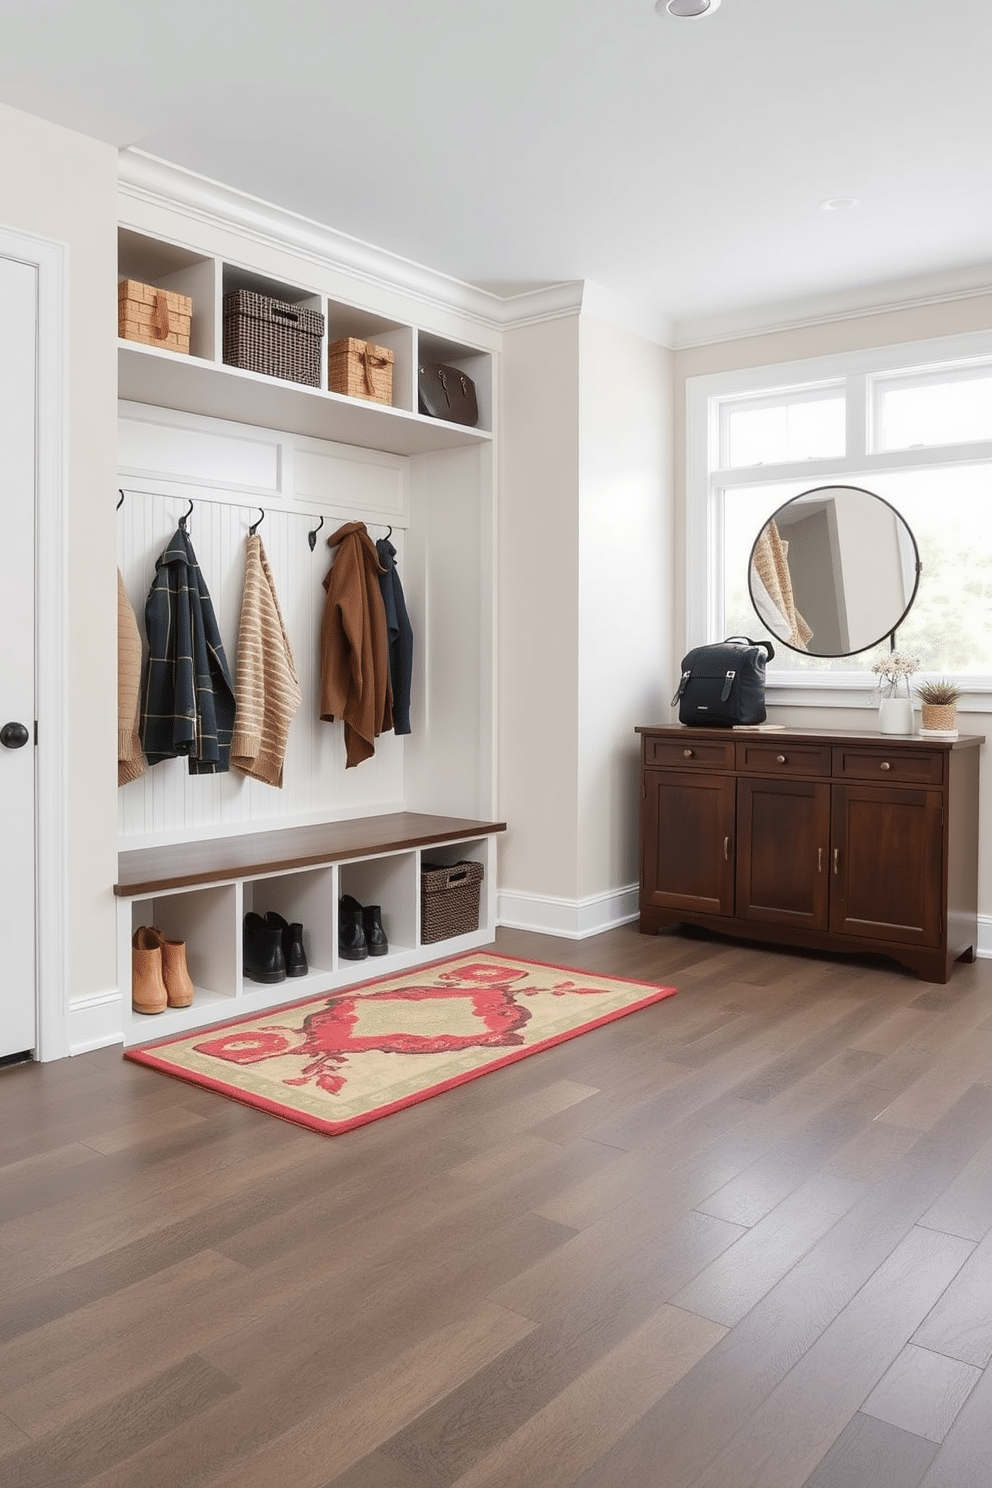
688	754
898	766
784	759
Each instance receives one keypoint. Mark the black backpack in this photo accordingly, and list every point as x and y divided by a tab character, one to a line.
724	684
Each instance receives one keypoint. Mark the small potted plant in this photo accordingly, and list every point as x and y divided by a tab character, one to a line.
939	699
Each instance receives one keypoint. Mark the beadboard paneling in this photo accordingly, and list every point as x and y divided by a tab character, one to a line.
162	474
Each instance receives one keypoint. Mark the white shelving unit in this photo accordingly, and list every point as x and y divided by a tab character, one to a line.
208	912
448	765
203	383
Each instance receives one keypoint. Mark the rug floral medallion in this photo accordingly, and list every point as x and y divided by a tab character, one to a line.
339	1060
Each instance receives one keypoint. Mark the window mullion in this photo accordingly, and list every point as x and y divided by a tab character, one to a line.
856	415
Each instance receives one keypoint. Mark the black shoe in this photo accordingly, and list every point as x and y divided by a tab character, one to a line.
351	935
375	936
263	957
292	944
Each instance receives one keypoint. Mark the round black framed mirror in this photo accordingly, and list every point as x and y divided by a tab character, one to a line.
834	571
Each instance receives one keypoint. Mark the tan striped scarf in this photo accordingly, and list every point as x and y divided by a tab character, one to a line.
267	687
130	758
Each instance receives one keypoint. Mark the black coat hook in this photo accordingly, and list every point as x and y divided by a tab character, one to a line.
261	518
390	532
186	516
312	536
121	502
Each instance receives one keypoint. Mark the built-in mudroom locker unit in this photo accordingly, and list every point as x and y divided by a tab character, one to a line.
225	449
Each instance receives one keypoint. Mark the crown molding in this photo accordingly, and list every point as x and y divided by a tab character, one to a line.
886	297
147	178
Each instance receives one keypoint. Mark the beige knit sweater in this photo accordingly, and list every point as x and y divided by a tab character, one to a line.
266	686
130	759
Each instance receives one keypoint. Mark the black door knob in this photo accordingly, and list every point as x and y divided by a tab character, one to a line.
14	736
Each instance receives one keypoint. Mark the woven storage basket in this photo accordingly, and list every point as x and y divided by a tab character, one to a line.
360	370
449	900
273	337
155	317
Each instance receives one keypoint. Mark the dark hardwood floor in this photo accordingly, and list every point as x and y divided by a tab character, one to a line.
740	1239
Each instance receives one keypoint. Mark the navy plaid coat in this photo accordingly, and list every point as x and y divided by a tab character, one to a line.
188	702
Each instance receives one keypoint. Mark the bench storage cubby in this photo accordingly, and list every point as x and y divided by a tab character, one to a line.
200	892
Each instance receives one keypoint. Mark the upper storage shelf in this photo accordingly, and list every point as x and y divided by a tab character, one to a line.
201	382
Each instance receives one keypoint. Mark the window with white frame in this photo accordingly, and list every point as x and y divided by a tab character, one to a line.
913	424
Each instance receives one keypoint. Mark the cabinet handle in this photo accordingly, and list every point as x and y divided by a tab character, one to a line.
726	849
836	860
885	765
819	860
687	754
780	758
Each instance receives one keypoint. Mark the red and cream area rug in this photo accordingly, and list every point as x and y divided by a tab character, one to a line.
342	1059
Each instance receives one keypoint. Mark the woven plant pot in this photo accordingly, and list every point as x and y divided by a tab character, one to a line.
939	716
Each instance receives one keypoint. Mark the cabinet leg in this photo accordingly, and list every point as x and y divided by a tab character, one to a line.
653	920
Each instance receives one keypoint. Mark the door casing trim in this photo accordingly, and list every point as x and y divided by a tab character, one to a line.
50	258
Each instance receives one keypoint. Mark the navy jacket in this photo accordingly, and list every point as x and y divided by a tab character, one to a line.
400	636
188	702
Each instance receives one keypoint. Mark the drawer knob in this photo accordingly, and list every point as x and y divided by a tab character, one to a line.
780	758
687	754
885	765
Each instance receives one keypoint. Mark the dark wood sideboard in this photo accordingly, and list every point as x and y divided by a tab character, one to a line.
830	841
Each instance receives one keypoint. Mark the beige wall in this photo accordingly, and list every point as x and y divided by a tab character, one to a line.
538	600
626	613
855	333
63	187
585	601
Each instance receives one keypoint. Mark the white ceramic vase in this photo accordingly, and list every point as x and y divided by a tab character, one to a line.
895	715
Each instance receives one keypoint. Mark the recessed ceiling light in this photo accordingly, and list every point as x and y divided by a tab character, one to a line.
839	203
687	10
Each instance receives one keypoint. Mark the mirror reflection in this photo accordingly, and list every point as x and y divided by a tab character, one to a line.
833	571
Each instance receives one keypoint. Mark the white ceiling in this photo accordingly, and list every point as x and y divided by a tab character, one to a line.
680	164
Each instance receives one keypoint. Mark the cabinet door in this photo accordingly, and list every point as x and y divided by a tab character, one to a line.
886	869
687	841
783	852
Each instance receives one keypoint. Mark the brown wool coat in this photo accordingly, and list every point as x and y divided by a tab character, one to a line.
354	644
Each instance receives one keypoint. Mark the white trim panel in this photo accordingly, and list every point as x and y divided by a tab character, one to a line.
574	919
96	1022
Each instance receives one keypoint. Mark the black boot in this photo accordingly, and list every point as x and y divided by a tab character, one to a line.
351	935
375	936
263	957
292	944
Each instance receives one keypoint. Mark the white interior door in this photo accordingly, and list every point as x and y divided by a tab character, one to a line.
18	418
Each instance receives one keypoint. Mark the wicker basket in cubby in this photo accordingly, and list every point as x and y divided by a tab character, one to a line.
153	316
360	370
273	337
449	900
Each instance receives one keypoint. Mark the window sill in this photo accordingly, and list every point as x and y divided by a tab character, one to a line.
841	692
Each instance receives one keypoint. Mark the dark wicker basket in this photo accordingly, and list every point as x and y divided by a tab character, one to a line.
449	900
270	336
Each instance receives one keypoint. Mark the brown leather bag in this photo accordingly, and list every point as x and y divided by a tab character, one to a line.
445	392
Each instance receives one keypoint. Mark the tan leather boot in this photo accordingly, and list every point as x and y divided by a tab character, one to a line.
178	986
148	994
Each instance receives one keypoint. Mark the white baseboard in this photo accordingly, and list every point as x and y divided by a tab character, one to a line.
574	919
95	1022
984	946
